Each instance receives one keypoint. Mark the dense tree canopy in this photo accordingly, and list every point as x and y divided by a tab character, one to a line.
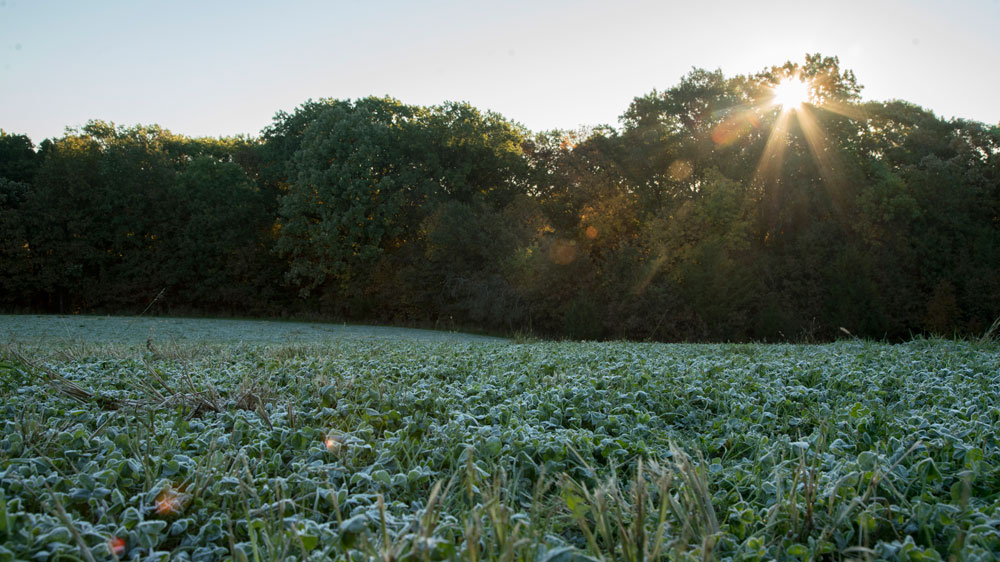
114	216
711	213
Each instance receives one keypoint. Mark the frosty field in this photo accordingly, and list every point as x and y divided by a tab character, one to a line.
273	442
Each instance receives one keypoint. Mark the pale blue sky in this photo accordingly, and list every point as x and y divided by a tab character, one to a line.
206	68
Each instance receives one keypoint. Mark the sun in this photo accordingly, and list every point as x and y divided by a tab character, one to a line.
791	93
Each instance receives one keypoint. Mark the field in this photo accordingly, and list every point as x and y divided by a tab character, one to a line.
277	441
64	330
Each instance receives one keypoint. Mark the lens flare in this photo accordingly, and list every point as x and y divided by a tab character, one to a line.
680	170
116	545
562	252
170	502
334	442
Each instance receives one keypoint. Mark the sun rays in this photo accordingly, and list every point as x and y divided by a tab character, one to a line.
788	110
796	99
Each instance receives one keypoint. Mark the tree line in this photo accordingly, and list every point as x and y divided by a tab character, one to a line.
709	213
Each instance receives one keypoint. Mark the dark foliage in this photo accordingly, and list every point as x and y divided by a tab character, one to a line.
710	214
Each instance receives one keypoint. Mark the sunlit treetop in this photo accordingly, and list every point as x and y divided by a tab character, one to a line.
818	79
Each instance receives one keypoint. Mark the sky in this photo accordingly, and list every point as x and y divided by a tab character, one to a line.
222	68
